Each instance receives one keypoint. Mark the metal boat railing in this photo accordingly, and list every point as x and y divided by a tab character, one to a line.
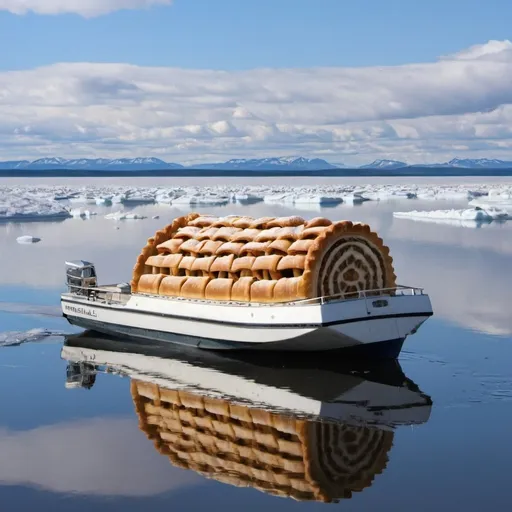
364	294
398	290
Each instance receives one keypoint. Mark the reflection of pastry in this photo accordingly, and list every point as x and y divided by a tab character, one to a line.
248	447
324	258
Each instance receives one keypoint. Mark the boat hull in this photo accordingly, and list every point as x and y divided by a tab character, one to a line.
319	340
351	326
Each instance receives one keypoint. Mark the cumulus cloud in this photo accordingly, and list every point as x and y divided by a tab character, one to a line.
458	105
86	8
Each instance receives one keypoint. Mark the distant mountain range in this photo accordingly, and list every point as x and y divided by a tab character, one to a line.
242	164
92	164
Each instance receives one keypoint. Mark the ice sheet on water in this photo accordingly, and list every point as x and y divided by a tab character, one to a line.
15	338
467	215
29	206
65	201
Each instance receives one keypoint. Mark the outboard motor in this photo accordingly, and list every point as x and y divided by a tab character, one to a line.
80	375
80	275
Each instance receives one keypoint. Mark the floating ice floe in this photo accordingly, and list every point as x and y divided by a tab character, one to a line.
354	198
302	199
124	216
246	198
78	213
501	201
103	201
14	338
28	208
317	199
88	199
471	214
386	195
27	239
200	200
139	198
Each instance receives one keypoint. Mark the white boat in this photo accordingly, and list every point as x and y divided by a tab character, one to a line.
260	284
373	324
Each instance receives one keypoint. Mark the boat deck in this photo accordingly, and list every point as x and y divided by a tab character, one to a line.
115	294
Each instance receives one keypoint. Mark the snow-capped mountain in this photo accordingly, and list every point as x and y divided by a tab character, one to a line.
468	163
92	164
384	164
271	164
278	164
14	164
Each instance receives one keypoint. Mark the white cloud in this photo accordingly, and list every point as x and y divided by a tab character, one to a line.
86	8
414	112
488	51
101	456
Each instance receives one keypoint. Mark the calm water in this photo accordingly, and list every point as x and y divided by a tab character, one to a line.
430	434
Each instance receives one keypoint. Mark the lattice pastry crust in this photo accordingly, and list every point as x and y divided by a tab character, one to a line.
262	260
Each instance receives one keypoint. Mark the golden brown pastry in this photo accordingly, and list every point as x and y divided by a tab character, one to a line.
241	290
243	222
194	287
225	233
172	262
223	263
284	222
170	247
263	291
279	247
261	223
171	286
290	233
156	261
254	248
206	233
318	221
203	221
305	259
210	247
191	245
245	235
266	262
267	235
203	264
187	262
289	289
243	263
312	233
219	289
187	232
150	283
226	221
300	247
291	262
230	248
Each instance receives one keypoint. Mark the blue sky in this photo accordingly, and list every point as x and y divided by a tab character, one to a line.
234	34
52	101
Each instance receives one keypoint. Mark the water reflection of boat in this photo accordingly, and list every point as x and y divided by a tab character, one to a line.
300	428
